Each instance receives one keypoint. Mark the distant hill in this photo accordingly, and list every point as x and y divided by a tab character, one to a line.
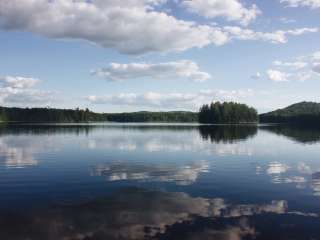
299	113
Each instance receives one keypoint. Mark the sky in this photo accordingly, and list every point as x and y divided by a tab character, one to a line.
158	55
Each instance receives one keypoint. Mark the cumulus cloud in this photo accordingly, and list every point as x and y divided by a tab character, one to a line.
296	65
17	82
179	69
19	90
131	27
279	36
313	4
167	100
232	10
301	68
277	76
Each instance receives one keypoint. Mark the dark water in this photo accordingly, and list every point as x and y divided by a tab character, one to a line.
102	182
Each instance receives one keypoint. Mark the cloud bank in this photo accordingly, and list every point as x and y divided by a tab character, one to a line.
301	68
181	69
170	100
131	27
19	90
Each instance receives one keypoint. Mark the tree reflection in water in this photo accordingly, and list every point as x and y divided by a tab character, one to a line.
227	133
301	134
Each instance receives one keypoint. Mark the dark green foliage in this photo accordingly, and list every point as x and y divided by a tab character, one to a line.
48	115
227	134
304	134
299	113
3	117
153	117
227	112
79	115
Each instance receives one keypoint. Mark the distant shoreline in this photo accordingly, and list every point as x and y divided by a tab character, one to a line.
304	113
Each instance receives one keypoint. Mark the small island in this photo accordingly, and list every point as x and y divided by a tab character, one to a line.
227	113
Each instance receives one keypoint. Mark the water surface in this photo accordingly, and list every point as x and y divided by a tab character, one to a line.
158	181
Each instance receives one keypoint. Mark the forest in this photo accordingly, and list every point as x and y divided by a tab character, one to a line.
304	113
176	116
85	115
48	115
227	112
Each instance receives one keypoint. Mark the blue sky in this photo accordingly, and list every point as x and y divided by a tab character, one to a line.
115	56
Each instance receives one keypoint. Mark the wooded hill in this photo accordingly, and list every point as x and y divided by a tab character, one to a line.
299	113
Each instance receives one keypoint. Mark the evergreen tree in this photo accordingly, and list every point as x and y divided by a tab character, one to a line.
227	112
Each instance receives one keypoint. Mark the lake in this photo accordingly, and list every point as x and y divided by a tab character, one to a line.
159	181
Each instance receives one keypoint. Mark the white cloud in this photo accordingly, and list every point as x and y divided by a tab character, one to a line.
316	68
131	27
179	69
169	100
313	4
232	10
279	36
19	90
17	82
296	65
301	68
277	76
27	96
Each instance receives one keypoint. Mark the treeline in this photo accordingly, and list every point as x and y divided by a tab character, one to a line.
85	115
214	113
227	112
48	115
177	116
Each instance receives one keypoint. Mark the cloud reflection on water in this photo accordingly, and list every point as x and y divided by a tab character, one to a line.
300	174
143	214
183	174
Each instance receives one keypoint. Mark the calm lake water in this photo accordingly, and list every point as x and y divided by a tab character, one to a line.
135	181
